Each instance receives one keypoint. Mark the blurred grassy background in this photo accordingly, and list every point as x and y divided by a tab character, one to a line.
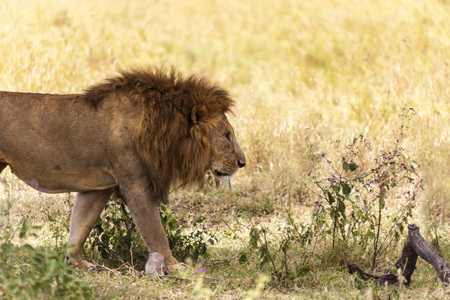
325	71
339	68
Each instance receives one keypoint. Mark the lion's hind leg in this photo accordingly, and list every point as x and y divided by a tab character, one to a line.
87	207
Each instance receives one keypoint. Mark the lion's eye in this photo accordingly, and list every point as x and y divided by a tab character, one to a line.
228	137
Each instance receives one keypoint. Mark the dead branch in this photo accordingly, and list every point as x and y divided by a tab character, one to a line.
415	245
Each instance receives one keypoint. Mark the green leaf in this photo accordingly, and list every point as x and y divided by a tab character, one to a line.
28	248
254	238
341	207
243	259
346	189
336	188
344	165
394	271
24	229
352	166
330	198
349	166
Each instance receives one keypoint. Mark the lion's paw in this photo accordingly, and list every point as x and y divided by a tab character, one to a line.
156	265
178	267
81	264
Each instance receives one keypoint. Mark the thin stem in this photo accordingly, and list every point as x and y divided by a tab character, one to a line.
380	208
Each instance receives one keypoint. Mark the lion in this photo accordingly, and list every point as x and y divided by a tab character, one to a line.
136	135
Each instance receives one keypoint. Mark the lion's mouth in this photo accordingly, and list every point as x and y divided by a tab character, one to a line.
222	174
219	174
224	178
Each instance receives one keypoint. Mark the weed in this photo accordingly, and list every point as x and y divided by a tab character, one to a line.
116	238
194	244
278	252
27	272
353	196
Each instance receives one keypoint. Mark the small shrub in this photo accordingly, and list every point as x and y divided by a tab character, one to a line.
116	238
29	273
193	244
278	252
353	197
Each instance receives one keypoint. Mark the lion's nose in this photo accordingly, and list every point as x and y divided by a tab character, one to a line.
241	164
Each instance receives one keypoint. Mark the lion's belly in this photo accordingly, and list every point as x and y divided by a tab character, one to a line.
61	181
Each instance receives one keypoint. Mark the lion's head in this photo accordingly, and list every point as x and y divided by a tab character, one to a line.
181	131
226	155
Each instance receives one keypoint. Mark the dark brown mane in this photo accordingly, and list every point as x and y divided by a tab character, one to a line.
161	86
171	139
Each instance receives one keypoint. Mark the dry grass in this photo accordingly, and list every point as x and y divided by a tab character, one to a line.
303	73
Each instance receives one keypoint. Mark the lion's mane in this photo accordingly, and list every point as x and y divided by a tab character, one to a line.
175	114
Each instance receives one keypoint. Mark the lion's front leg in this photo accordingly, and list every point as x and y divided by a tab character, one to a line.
146	216
145	213
87	207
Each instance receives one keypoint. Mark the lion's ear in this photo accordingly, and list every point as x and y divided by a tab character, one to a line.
199	115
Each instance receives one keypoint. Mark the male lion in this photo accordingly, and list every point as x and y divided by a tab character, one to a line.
136	134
